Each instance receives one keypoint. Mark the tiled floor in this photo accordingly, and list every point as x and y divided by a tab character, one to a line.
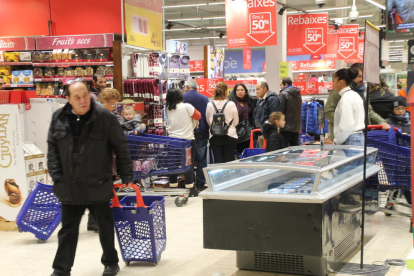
20	254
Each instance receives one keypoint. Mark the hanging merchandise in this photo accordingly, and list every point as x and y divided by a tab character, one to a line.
184	66
145	88
310	117
174	66
163	61
153	64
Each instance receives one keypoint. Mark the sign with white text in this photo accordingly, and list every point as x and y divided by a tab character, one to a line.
343	43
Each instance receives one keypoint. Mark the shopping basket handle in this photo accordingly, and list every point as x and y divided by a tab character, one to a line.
251	137
140	200
371	127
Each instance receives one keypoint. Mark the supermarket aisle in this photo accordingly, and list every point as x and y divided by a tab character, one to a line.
21	255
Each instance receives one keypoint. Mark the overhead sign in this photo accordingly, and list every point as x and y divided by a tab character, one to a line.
283	69
313	65
247	58
177	47
143	23
17	44
371	60
196	65
251	23
307	34
233	62
343	43
216	62
360	50
313	87
75	42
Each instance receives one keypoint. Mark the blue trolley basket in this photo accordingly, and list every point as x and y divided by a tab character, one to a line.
140	226
41	212
252	151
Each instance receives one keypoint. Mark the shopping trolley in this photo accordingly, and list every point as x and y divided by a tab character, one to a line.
140	226
155	155
41	213
252	151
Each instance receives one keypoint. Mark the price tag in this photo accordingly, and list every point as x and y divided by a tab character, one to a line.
158	121
150	121
155	69
185	71
14	85
174	70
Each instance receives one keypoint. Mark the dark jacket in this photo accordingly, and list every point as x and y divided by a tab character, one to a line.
291	106
89	181
199	102
265	107
381	101
275	140
252	106
130	126
401	122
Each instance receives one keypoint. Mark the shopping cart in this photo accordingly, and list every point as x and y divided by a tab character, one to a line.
252	151
140	226
394	157
40	213
155	155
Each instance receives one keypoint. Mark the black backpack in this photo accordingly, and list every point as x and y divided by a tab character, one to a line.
219	127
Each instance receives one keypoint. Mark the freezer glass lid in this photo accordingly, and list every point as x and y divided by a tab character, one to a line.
306	157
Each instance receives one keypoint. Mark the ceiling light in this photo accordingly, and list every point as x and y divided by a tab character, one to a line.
169	26
344	18
281	10
198	28
194	38
196	18
381	6
330	9
194	5
221	34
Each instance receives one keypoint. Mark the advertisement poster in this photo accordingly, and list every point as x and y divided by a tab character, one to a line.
372	45
343	43
12	165
360	48
233	62
251	23
143	23
196	65
216	67
313	87
313	65
400	19
283	69
206	86
307	34
177	47
410	51
247	58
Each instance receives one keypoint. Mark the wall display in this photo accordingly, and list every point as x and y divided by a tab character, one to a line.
196	65
13	181
343	43
143	23
307	34
247	58
177	47
312	87
371	60
400	19
251	23
360	48
411	52
216	62
313	65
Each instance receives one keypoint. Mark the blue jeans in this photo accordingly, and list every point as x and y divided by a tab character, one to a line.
355	139
200	158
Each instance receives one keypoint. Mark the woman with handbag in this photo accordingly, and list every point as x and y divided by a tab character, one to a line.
183	118
245	108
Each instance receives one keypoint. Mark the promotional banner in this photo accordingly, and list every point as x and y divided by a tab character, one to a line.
360	49
233	62
75	42
307	34
343	43
312	87
283	69
206	86
410	51
196	65
177	47
216	67
251	23
143	23
313	65
264	67
371	60
247	58
12	164
17	44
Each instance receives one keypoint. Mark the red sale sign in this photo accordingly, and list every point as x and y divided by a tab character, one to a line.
307	34
247	58
251	23
196	65
342	43
360	50
313	87
313	65
206	86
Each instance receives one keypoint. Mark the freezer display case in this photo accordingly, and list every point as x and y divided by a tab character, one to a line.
296	210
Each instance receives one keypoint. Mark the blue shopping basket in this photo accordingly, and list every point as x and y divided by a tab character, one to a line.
159	155
41	212
140	226
252	151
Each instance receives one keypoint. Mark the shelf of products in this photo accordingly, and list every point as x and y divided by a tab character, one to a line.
15	63
65	79
67	64
19	85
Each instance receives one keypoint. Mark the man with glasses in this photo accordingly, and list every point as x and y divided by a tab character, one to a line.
81	139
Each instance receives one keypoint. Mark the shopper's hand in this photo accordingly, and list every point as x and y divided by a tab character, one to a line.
128	185
328	141
385	126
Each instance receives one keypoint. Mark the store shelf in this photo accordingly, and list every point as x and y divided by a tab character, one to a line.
67	64
65	79
18	85
15	63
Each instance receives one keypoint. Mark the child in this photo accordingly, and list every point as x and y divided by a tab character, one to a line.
131	122
400	117
271	131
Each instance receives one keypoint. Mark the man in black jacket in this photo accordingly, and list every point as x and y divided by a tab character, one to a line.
82	138
291	106
268	103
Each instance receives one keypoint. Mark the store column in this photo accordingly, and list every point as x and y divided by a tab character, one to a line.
276	54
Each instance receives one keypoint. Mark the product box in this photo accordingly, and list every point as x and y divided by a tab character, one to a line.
7	79
5	70
35	158
89	55
65	55
25	56
77	55
47	57
1	56
26	77
38	56
41	178
11	57
31	182
16	77
102	55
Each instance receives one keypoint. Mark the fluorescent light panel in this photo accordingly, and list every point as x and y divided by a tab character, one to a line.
375	3
195	38
347	17
193	5
196	28
196	18
321	10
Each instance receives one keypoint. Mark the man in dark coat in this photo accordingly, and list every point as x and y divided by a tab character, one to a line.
268	103
291	106
99	84
82	138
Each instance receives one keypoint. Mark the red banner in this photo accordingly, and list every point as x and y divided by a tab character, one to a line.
206	86
264	67
313	87
247	58
251	23
313	65
196	65
360	50
75	42
342	43
307	34
17	44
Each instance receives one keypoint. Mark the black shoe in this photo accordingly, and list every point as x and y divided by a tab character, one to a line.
111	270
193	192
60	274
92	228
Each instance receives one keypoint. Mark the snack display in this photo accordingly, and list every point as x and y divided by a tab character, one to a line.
26	77
49	72
69	72
60	72
5	70
38	56
26	56
16	77
46	89
1	56
11	56
38	72
47	56
88	71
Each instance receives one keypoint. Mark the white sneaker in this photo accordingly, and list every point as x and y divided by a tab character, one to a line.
189	186
173	185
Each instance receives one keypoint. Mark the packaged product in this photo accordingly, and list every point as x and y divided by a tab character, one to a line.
38	56
89	54
89	71
38	88
59	54
65	54
38	72
49	72
47	56
60	71
101	70
25	56
69	71
16	77
5	70
7	79
109	70
54	54
27	77
77	55
79	72
1	56
102	54
11	56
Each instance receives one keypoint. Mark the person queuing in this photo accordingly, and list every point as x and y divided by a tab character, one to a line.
81	139
380	98
245	108
291	107
181	117
358	86
349	114
199	102
223	146
271	132
108	98
99	84
400	117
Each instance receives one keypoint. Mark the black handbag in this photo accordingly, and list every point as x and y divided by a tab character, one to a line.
244	130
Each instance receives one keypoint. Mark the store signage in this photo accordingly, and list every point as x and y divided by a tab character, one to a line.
283	69
307	34
247	58
360	50
17	44
251	23
410	51
343	43
313	65
177	47
372	50
264	67
316	56
233	62
216	62
196	65
75	42
313	87
206	86
143	23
